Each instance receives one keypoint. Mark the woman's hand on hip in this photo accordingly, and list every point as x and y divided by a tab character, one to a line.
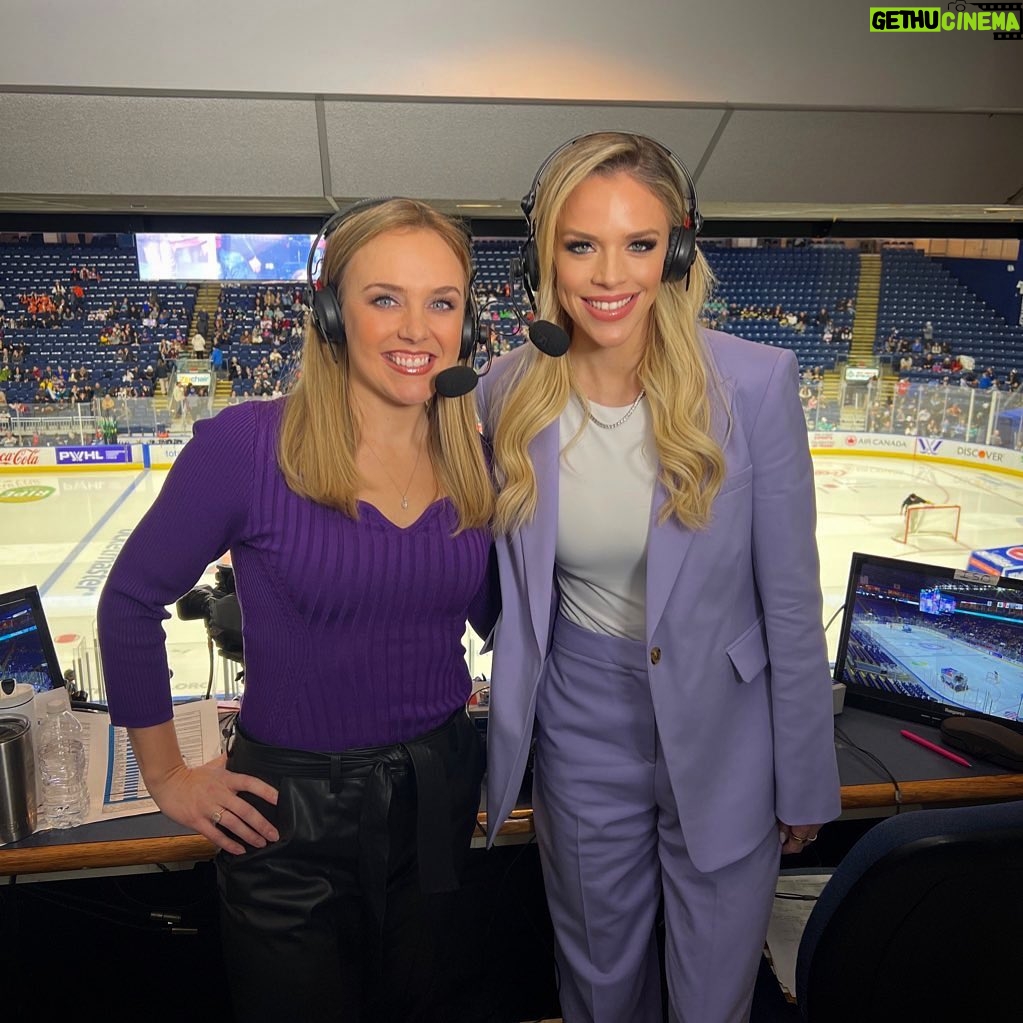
209	800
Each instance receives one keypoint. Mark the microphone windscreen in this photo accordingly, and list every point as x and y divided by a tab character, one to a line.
456	381
549	338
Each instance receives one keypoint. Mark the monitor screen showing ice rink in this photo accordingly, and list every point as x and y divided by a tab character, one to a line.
924	642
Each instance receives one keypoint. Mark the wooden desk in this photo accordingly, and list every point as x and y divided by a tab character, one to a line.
925	779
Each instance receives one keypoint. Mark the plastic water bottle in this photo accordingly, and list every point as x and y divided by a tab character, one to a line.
62	769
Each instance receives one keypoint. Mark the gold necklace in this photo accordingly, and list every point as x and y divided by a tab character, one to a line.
403	493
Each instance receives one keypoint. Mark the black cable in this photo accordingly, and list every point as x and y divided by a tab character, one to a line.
209	684
839	734
833	617
83	906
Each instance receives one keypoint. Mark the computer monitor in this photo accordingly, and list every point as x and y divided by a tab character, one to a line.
924	642
26	647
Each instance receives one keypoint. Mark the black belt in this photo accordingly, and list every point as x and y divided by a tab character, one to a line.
379	763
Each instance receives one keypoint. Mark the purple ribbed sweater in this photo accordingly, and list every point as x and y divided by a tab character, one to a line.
352	629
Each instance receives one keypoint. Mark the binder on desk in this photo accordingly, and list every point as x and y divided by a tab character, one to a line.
794	899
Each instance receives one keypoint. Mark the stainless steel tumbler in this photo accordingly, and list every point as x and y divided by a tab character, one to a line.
17	779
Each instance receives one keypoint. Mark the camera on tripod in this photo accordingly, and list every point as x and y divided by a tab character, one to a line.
218	607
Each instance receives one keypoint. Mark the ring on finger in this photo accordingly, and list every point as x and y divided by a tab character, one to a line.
216	816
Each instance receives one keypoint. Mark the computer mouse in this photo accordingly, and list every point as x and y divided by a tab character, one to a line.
985	739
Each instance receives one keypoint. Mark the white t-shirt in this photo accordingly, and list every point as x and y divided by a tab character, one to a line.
606	490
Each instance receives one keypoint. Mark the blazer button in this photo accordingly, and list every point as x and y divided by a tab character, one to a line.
655	655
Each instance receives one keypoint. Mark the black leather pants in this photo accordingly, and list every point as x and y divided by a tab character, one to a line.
344	918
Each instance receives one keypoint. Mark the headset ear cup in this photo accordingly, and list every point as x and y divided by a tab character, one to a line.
470	332
328	318
531	265
680	254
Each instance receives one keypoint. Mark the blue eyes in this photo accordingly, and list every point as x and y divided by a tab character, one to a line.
581	248
390	302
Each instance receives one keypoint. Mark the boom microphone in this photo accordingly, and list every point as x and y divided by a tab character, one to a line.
551	339
455	381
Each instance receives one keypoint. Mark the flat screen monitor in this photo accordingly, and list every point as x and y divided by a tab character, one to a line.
924	642
26	647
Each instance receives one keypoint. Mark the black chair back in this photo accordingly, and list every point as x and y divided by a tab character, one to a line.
921	921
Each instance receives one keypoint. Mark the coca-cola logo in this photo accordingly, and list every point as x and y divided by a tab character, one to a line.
19	456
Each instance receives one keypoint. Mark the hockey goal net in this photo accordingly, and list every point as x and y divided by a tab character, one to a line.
930	520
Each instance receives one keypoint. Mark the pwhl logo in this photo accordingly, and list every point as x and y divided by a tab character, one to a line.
79	457
1002	20
928	446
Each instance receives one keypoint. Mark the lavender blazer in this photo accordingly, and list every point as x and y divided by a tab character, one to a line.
738	664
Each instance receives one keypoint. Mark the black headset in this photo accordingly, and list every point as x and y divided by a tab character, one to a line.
325	308
681	241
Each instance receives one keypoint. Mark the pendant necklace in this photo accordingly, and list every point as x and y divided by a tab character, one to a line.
402	493
628	412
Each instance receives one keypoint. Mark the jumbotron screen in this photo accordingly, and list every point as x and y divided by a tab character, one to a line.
165	256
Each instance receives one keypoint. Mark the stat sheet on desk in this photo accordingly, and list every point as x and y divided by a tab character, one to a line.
116	788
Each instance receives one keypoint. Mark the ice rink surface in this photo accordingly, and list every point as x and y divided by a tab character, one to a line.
64	537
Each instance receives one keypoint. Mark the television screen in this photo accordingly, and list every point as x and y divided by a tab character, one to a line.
222	257
924	642
26	648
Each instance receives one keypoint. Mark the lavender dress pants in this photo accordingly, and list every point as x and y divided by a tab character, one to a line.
611	844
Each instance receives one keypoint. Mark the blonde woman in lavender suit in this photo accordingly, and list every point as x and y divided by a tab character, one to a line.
660	634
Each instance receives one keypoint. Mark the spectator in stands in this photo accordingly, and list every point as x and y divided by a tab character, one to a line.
198	346
178	396
161	372
216	359
710	609
347	803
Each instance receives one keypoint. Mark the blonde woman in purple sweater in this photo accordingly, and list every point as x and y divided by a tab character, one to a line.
356	510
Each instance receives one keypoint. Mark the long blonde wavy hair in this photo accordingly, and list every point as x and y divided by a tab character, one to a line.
319	431
675	369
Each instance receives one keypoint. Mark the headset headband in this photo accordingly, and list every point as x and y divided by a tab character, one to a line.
680	251
529	199
325	309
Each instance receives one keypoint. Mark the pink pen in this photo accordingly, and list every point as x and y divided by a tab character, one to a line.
934	748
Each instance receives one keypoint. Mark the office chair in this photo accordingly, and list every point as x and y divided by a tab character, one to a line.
920	921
